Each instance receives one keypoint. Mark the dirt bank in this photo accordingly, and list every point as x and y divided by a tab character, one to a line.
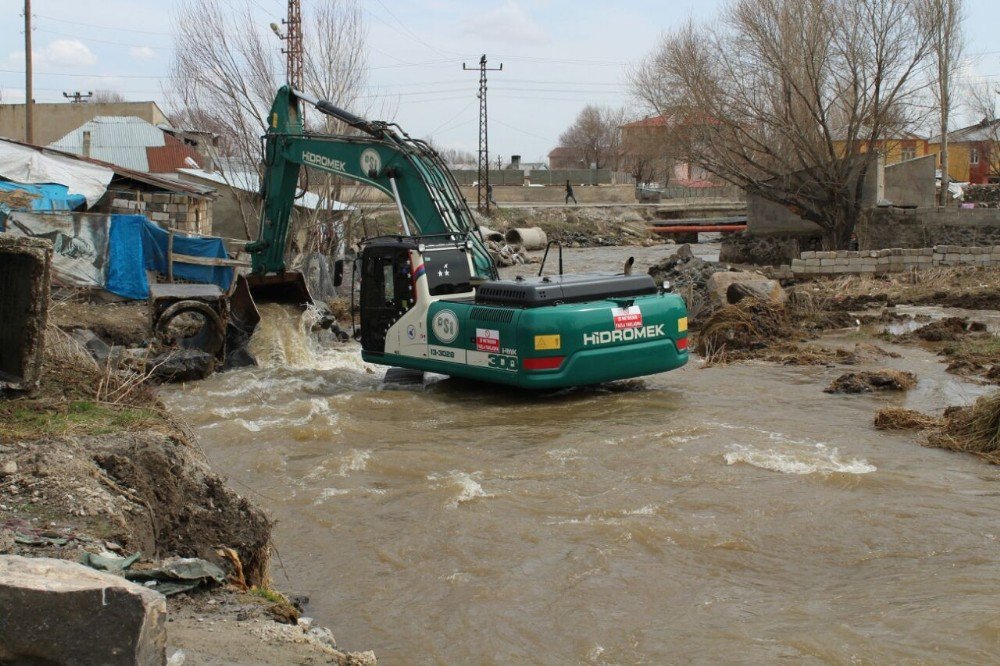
93	463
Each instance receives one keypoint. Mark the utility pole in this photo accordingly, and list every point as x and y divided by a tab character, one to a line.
482	194
77	97
29	129
293	46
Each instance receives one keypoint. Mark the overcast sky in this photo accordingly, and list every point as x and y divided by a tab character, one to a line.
557	55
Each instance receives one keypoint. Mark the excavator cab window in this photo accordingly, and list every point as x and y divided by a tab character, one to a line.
386	293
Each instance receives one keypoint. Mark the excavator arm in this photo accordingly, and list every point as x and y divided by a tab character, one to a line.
408	170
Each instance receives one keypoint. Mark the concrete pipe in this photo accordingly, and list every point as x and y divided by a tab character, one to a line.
532	238
491	235
208	336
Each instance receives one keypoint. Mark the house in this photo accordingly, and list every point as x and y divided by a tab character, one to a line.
516	164
566	157
646	153
111	188
897	146
130	142
973	152
53	120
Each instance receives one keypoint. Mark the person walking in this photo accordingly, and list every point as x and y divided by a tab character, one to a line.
569	193
489	194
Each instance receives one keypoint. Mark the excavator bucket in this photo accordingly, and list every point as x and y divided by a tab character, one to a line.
288	287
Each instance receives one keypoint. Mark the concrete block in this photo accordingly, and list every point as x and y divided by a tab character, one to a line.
842	261
25	279
841	254
866	269
896	252
159	197
798	263
159	217
827	262
966	257
60	612
924	260
808	255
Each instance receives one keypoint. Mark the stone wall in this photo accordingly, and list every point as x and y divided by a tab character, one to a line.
894	260
555	194
167	209
926	227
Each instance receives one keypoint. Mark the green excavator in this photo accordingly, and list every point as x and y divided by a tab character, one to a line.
431	298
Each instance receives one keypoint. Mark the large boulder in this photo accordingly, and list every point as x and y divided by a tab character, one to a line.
749	284
60	612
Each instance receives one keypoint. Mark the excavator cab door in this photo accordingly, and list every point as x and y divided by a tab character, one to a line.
386	293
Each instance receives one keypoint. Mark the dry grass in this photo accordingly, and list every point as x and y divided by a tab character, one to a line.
751	324
898	418
76	396
963	286
974	429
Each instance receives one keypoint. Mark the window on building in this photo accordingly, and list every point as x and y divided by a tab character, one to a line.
973	156
908	153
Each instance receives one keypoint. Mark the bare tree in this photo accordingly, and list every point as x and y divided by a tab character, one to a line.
982	102
944	20
227	67
452	156
596	134
790	99
107	97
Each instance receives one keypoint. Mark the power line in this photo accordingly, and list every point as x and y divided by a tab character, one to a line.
103	27
104	41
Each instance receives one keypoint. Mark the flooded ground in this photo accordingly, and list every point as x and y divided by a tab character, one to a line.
734	514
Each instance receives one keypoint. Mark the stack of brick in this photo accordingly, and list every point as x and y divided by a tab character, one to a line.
169	210
894	260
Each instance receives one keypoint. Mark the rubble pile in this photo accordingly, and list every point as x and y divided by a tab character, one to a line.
689	276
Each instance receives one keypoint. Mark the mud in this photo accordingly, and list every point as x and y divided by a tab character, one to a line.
872	380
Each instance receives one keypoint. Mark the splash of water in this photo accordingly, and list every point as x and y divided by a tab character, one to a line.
285	338
818	460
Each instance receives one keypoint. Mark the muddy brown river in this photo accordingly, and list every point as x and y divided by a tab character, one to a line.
733	514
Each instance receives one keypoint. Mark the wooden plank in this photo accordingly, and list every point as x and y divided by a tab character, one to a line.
170	255
207	261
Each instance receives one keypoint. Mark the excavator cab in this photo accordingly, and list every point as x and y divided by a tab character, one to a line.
387	289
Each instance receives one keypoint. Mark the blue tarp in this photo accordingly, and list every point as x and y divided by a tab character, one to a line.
48	197
136	244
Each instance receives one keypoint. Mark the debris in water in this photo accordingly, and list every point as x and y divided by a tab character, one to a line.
747	325
898	418
872	380
974	429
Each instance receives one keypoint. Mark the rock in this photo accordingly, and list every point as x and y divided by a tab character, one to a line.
684	252
323	635
750	284
59	612
182	365
366	658
96	347
177	658
9	468
6	540
306	623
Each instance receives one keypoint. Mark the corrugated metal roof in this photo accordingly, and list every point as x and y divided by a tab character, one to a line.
250	182
166	184
121	140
